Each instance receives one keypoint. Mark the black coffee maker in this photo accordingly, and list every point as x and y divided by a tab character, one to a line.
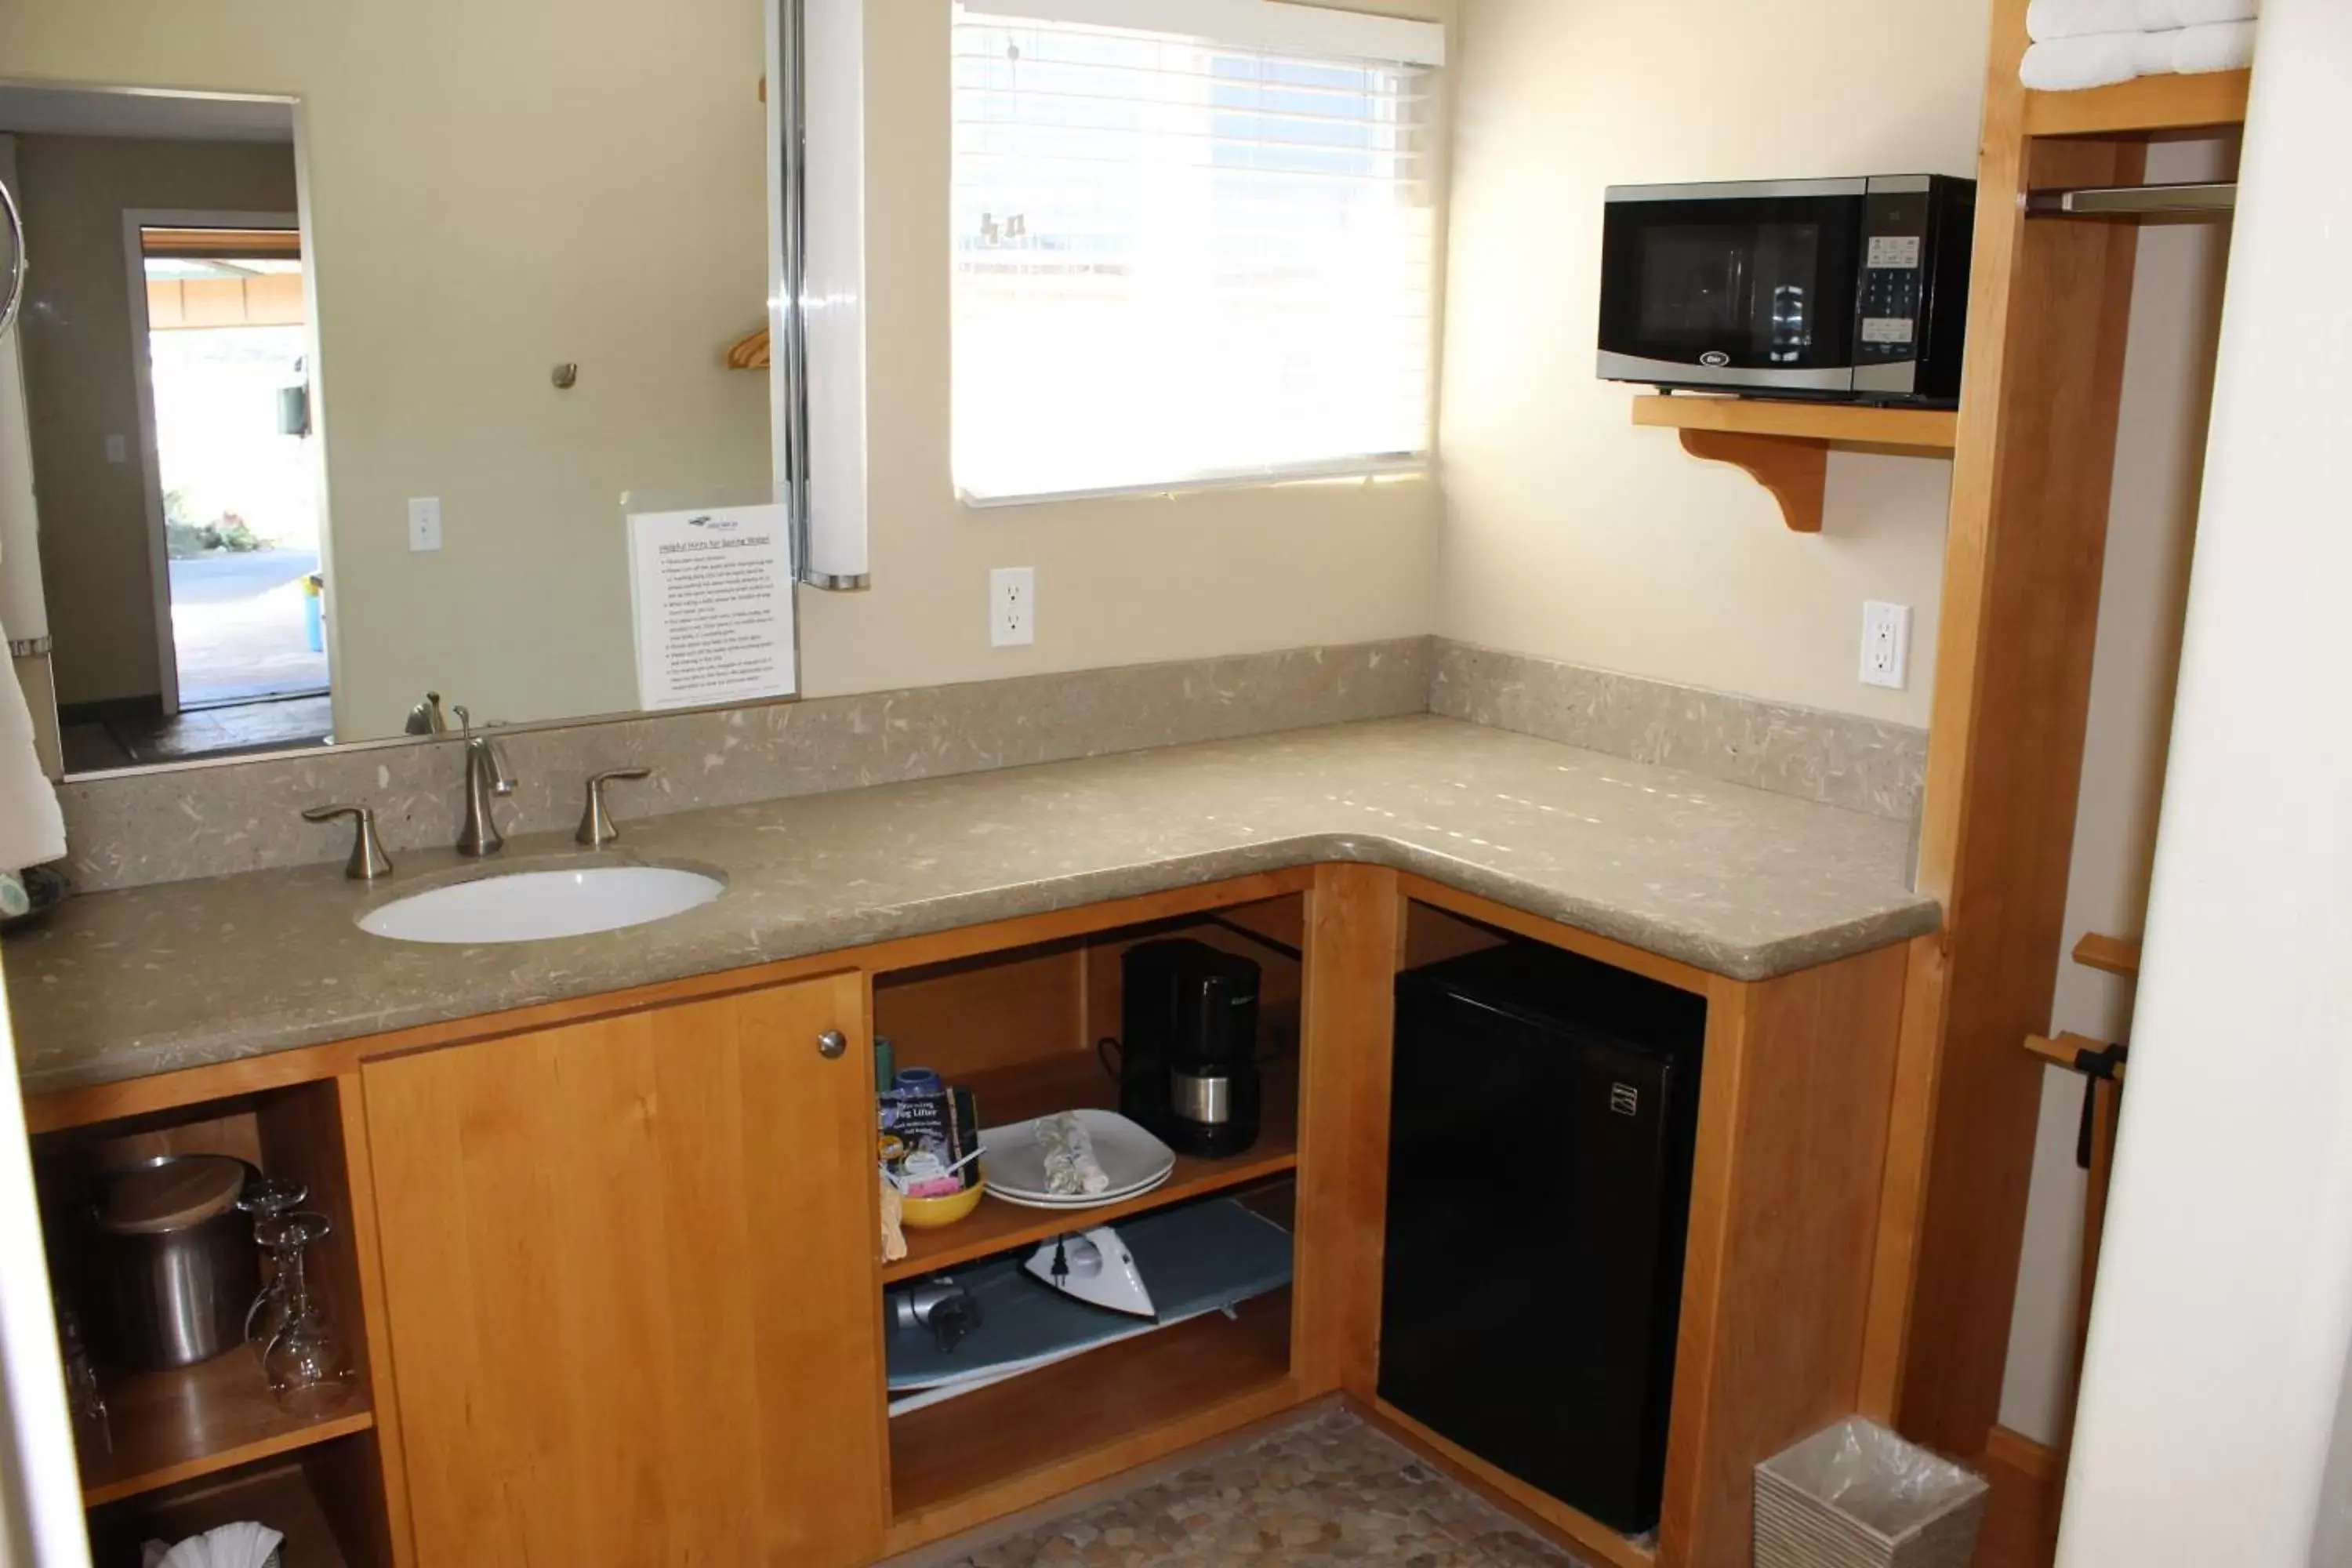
1188	1065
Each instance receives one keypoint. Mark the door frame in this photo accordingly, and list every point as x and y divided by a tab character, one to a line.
134	263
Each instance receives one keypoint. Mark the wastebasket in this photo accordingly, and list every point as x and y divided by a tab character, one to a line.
1857	1496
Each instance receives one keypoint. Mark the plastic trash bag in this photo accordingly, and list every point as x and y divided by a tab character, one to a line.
1870	1474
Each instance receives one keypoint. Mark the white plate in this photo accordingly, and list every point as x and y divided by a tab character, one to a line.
1132	1157
1065	1205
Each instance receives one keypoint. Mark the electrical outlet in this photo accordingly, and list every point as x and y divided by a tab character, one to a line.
1013	606
1885	645
118	449
423	523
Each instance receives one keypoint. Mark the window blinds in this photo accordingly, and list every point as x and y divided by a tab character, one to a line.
1183	260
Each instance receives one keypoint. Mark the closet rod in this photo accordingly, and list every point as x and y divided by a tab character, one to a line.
2197	200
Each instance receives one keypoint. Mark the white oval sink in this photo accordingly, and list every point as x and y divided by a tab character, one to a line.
532	906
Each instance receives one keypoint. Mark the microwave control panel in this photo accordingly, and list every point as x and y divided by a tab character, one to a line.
1895	241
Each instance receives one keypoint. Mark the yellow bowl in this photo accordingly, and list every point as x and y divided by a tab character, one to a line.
930	1214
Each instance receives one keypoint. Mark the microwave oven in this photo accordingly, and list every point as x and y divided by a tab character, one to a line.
1853	289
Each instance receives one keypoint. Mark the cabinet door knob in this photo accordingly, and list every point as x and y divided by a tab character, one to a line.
832	1044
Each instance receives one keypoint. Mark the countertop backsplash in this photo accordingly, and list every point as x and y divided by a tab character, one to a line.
130	830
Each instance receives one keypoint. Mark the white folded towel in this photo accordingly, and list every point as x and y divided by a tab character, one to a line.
32	830
2217	46
2095	60
2048	19
2103	59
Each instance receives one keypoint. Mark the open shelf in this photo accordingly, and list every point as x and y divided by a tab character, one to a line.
1070	1081
1784	445
2152	103
1080	1419
173	1427
279	1497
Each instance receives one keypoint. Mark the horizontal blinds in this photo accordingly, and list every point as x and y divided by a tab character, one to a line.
1181	259
1279	24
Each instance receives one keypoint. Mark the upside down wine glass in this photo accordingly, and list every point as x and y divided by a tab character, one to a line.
309	1372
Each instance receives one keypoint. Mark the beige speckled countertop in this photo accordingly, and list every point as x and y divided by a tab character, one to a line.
1734	880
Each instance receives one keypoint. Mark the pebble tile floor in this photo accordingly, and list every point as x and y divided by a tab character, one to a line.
1331	1490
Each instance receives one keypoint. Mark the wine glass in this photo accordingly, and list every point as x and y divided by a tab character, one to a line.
309	1371
265	1198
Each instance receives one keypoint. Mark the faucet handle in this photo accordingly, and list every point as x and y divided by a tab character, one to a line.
368	860
596	828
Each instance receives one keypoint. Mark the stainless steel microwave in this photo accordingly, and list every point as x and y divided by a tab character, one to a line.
1851	289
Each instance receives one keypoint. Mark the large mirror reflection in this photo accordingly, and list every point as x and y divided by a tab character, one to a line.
349	342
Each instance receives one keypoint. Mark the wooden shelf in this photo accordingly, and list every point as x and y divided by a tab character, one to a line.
1785	446
2153	103
173	1426
2114	954
279	1498
1029	1438
1067	1081
1839	424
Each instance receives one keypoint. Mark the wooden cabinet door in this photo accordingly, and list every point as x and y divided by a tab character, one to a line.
629	1269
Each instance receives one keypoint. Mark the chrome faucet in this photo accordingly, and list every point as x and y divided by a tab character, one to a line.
486	776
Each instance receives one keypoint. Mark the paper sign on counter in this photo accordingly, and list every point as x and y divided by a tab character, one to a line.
711	593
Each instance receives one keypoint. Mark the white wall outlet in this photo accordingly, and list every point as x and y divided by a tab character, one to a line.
423	523
118	449
1013	606
1885	645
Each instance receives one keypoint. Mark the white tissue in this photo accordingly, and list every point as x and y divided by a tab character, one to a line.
244	1545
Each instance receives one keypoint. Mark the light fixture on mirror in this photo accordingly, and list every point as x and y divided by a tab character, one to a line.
816	283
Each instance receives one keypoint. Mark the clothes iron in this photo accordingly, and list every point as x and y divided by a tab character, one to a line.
1095	1268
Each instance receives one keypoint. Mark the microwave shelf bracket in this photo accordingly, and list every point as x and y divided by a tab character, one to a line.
1784	445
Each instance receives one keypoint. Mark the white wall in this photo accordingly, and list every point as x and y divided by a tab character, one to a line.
2224	1304
2159	460
41	1521
1571	534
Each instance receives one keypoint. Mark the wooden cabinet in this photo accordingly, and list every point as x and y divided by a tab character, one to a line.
628	1265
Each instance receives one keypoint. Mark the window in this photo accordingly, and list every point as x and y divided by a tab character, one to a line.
1193	247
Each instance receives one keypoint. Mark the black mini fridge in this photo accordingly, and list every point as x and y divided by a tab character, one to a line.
1539	1158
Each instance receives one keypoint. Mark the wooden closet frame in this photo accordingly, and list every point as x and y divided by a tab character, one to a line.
2049	313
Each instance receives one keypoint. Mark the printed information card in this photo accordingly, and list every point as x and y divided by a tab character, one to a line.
711	593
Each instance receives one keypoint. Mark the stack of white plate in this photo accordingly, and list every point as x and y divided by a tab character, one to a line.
1014	1162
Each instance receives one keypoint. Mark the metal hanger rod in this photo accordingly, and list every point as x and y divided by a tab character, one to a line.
2134	201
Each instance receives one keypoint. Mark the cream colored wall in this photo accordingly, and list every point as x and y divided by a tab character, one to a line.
2159	465
1119	582
497	187
1571	534
81	385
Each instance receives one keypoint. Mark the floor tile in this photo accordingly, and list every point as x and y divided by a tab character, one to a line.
1332	1490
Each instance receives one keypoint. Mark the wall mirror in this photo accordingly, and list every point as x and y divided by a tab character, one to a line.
351	338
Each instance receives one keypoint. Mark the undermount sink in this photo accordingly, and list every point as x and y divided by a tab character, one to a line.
533	905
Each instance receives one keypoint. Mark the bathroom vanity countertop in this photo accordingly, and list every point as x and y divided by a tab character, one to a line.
1738	881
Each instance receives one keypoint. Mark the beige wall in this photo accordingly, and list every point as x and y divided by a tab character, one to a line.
1570	534
1118	580
2159	460
561	192
82	387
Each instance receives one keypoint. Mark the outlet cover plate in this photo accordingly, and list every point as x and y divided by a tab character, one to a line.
1013	606
1885	645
